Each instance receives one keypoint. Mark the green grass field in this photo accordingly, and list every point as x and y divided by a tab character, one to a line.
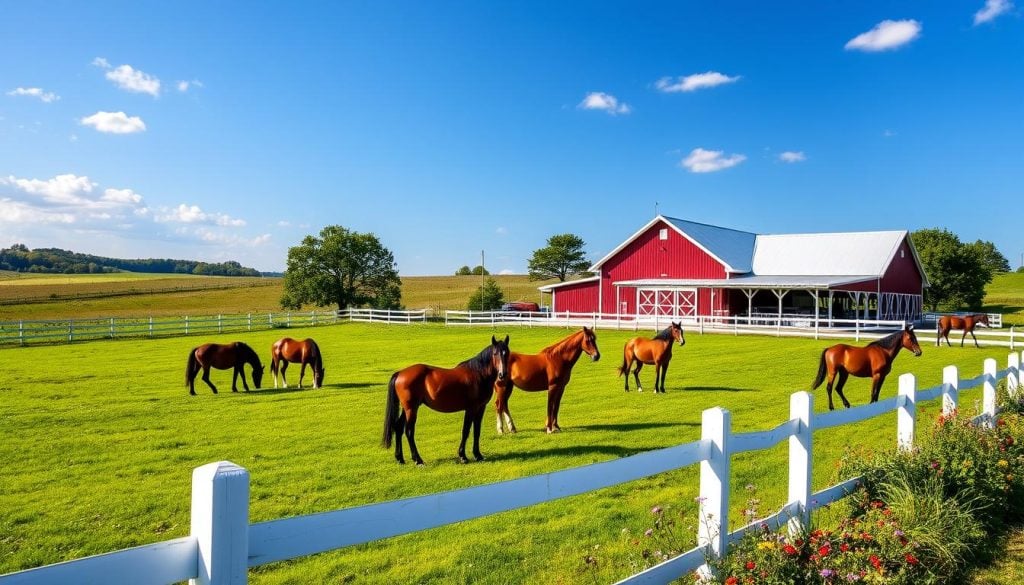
1005	294
99	440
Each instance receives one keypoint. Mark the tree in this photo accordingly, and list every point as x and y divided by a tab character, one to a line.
956	272
991	257
487	298
341	267
479	270
561	258
463	271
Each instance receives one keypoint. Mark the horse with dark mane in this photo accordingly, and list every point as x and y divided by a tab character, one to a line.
966	322
874	361
548	370
468	387
222	356
305	352
657	351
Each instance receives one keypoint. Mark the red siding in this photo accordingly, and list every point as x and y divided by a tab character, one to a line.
902	276
579	298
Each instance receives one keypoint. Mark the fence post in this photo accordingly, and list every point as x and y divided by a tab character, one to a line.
1011	337
220	523
713	503
248	317
951	385
288	319
988	398
186	324
71	330
906	412
801	408
21	332
111	327
700	321
220	324
856	329
151	326
1013	365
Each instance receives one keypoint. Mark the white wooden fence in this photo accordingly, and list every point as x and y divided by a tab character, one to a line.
71	330
223	544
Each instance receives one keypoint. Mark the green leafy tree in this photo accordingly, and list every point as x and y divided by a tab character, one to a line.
561	258
957	272
463	271
479	270
487	298
343	268
991	257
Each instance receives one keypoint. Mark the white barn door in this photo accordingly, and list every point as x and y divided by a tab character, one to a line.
666	302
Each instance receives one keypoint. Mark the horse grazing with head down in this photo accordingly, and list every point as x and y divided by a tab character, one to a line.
468	386
305	352
874	361
548	370
222	356
657	351
967	322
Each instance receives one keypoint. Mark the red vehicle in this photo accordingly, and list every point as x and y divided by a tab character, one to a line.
521	307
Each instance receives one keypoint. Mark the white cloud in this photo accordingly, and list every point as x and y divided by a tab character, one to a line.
121	196
507	271
991	10
793	156
213	237
16	212
888	34
129	79
184	85
598	100
68	198
101	63
709	161
501	231
194	214
36	92
114	123
694	82
284	223
62	189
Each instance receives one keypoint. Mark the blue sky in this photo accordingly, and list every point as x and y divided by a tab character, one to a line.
228	131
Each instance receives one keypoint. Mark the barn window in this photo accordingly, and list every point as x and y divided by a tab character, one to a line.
663	234
901	252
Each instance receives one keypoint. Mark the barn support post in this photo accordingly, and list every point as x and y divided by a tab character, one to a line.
817	313
988	397
220	523
778	324
950	389
713	503
830	299
750	304
906	411
801	408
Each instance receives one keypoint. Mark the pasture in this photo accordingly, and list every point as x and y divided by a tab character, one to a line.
99	440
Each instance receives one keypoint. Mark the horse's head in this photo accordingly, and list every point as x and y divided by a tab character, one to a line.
982	319
909	340
499	356
590	344
257	376
318	377
677	333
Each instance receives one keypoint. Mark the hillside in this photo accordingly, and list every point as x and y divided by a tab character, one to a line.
56	261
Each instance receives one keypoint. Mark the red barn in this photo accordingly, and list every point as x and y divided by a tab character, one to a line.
678	268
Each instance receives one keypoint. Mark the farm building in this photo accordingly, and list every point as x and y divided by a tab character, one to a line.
682	269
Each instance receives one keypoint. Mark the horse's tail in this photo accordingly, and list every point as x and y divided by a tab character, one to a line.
821	371
190	366
624	368
390	412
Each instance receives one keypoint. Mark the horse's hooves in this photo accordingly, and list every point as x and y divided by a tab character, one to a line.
192	393
420	464
400	461
479	457
463	459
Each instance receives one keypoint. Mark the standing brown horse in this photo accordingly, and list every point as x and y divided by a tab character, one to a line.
548	370
303	352
967	322
222	356
468	386
657	351
874	361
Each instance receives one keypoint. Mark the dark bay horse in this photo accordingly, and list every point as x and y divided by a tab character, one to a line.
222	356
548	370
967	322
305	352
657	351
468	386
872	361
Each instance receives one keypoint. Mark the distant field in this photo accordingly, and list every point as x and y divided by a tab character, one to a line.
1005	294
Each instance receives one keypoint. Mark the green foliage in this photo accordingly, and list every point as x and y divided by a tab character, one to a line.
488	297
561	258
463	271
342	268
990	256
56	261
957	273
477	270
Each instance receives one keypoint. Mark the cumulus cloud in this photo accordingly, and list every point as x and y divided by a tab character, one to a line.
212	237
101	63
18	213
194	214
886	35
598	100
62	189
793	156
710	161
36	92
694	82
114	123
68	198
185	85
130	79
991	10
507	271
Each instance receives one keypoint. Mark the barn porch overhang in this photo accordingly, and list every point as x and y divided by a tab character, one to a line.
752	282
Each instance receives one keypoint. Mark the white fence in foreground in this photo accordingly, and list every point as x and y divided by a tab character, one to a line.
223	545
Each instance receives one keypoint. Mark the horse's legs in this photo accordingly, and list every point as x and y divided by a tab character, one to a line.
964	336
398	427
975	339
302	374
191	376
239	371
549	422
206	378
502	393
636	375
478	420
273	368
410	434
557	393
467	421
283	369
876	386
828	386
843	375
664	372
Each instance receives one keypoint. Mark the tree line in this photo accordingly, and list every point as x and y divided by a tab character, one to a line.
19	258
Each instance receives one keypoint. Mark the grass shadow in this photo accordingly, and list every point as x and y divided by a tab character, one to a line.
716	389
575	451
631	426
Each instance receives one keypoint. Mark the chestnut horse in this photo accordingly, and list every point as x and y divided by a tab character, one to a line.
874	361
303	352
222	356
548	370
967	322
657	351
468	386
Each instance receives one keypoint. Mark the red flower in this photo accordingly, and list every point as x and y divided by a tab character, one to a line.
750	565
789	549
875	562
911	559
731	581
844	547
823	551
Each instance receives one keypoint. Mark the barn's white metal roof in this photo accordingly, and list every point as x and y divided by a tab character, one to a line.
749	282
827	254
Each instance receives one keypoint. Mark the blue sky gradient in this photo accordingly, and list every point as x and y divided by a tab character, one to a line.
455	127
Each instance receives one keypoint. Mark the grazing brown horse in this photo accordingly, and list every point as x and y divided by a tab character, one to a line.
874	361
548	370
303	352
657	351
967	322
468	386
222	356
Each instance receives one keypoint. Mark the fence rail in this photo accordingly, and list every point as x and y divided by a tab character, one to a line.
223	545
